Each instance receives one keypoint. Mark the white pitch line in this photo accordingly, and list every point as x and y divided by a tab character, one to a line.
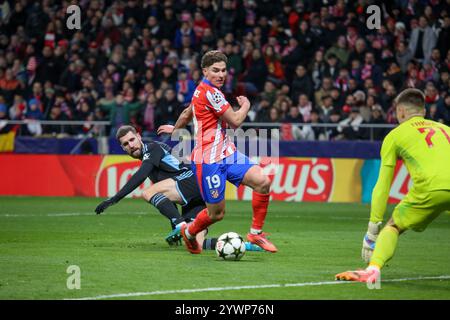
304	284
68	214
75	214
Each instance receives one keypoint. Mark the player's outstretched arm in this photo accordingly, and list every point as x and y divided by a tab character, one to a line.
134	182
183	120
236	118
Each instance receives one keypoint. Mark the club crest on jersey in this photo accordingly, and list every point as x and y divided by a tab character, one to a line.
146	156
215	193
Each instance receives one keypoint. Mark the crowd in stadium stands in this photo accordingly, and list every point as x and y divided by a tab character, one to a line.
299	61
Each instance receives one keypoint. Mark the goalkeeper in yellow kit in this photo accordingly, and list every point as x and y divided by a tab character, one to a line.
424	146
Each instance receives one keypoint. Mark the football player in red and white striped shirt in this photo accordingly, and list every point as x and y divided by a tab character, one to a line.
215	158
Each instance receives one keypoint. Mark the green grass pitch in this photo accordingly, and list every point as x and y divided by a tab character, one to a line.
123	251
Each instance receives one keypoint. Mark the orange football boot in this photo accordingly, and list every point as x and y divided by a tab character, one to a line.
261	240
192	245
370	276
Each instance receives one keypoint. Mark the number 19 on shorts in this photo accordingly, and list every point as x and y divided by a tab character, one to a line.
213	181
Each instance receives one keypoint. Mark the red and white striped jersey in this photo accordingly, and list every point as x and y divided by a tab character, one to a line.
211	142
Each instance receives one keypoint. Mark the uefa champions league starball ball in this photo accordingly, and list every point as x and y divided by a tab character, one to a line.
230	246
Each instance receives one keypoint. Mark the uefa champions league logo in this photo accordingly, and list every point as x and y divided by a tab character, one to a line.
217	97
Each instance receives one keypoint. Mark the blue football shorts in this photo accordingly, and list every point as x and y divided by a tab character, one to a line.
212	177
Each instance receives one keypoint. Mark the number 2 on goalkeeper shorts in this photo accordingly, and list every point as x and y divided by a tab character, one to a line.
213	181
430	133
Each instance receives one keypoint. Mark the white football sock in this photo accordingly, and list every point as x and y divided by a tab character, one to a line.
255	231
188	235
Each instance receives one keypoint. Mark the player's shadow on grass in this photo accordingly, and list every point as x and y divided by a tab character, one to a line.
159	247
245	259
145	246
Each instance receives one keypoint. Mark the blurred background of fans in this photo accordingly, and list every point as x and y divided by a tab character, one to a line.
137	62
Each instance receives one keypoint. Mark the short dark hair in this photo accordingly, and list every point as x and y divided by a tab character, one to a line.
411	98
123	130
211	57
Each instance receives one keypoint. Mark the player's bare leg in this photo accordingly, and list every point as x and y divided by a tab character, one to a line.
260	183
200	237
384	251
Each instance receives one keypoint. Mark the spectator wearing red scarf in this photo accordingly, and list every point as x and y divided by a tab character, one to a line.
200	25
273	63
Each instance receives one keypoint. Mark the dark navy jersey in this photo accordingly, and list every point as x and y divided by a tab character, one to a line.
157	164
164	164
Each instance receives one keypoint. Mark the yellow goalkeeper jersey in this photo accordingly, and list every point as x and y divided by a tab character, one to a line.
424	146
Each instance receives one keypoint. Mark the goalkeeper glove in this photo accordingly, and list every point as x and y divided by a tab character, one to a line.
369	240
104	205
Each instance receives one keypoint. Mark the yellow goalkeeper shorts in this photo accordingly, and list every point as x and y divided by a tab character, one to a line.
417	210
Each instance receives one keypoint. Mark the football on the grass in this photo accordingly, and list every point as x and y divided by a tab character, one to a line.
230	246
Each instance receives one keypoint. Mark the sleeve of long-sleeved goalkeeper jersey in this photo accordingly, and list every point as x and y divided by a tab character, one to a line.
380	194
